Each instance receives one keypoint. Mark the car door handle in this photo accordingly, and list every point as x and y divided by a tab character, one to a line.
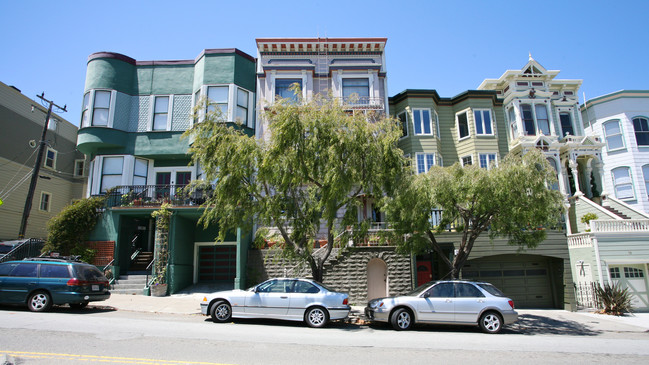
284	297
448	301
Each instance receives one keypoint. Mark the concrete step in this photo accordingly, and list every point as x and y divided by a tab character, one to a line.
127	291
128	286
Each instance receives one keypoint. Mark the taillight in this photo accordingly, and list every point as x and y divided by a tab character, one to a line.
75	282
511	303
345	301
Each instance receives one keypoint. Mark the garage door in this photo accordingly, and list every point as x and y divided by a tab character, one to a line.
524	279
217	264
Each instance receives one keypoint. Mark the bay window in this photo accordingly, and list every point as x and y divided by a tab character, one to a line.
160	113
218	98
641	128
487	160
356	90
483	124
424	162
421	120
111	172
462	125
101	108
613	135
623	183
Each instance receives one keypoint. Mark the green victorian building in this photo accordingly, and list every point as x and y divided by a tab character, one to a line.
134	113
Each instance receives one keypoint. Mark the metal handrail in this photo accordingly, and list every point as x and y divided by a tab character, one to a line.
135	254
148	269
111	281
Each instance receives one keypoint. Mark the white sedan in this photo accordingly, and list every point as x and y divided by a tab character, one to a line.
289	299
446	302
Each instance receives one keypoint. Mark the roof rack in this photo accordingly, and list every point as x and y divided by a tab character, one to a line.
55	259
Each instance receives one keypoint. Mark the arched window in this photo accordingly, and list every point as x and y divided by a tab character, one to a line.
623	183
613	135
641	127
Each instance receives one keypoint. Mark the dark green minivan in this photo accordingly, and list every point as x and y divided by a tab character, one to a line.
42	282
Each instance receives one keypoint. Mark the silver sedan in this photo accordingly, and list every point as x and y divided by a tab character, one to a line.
288	299
446	302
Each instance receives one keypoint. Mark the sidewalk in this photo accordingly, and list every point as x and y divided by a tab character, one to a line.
189	303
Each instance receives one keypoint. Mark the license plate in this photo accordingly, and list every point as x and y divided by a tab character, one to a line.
95	288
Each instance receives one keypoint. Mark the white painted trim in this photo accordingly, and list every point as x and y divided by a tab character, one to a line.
430	120
491	121
468	124
49	203
197	245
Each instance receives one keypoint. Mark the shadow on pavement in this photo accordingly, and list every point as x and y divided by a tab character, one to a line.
341	325
529	324
63	309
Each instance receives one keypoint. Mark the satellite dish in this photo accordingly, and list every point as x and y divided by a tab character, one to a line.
32	143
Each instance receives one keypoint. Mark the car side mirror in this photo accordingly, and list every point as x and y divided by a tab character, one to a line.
426	294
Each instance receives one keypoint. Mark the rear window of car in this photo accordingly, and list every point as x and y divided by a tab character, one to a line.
88	273
305	287
491	290
6	248
54	271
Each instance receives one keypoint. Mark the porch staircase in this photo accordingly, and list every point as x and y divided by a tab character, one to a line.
141	261
129	284
616	212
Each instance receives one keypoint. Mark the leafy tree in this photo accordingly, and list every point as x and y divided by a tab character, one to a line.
68	230
316	160
510	200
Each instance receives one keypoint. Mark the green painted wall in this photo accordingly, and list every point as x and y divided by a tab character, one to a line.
94	141
163	80
181	248
107	73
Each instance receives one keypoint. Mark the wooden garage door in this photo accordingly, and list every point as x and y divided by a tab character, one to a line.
217	264
526	280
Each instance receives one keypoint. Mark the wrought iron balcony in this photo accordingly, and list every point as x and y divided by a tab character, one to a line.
363	103
140	196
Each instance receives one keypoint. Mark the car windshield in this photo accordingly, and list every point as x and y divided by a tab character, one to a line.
491	289
418	290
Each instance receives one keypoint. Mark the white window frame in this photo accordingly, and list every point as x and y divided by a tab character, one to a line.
47	151
491	122
467	156
232	103
78	162
401	124
152	113
488	160
274	75
128	168
91	109
285	77
635	132
339	92
630	183
645	175
49	202
468	125
573	121
421	111
248	107
428	160
620	134
439	135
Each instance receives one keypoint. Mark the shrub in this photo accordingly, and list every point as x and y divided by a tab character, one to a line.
68	230
612	299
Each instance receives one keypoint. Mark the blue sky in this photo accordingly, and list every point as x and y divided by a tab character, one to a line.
450	46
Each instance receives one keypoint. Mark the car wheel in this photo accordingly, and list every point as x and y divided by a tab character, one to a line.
78	305
39	301
491	322
316	317
221	312
401	319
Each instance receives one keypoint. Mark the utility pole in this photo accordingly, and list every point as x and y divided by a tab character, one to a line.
37	166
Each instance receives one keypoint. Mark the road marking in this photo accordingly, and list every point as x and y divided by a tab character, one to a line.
96	358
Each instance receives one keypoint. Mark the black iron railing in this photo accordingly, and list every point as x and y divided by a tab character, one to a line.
27	248
155	195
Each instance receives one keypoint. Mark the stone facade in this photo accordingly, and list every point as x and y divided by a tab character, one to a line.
346	272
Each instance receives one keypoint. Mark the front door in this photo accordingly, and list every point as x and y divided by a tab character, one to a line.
270	299
377	279
437	304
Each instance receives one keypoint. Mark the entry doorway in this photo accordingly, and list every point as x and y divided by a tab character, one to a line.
377	279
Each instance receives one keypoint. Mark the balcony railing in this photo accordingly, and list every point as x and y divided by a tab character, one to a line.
363	102
624	225
137	196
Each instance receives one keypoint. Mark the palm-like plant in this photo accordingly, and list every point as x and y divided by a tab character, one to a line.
612	299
